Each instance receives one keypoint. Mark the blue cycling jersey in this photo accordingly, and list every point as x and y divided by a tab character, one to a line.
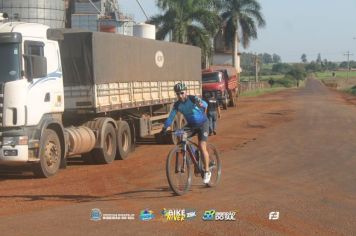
194	114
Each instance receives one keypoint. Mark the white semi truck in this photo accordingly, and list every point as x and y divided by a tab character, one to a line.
65	93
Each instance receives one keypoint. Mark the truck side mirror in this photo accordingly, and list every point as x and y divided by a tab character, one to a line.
227	75
35	66
220	77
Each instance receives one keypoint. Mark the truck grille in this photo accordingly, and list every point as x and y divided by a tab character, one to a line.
1	103
216	93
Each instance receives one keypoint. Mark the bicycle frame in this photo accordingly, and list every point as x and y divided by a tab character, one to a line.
179	169
186	145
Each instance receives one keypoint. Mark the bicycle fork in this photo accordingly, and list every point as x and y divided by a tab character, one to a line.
181	168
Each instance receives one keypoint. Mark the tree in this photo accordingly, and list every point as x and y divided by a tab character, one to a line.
324	64
297	72
313	67
343	64
318	59
304	58
240	21
281	68
191	22
266	58
248	63
331	65
276	58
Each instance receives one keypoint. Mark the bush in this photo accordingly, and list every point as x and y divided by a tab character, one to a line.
287	82
352	90
281	68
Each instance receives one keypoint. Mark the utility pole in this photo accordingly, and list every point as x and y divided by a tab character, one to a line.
348	54
256	68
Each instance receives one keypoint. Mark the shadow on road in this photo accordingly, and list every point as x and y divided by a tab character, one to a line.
147	193
70	198
138	194
15	172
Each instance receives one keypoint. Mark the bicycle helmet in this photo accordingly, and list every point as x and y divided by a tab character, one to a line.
180	87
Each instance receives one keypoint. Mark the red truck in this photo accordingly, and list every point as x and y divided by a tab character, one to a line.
222	81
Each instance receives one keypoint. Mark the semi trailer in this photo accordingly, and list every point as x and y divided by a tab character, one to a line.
65	93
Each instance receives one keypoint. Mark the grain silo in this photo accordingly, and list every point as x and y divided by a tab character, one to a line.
48	12
143	30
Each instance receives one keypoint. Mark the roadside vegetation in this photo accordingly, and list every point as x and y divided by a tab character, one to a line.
259	92
199	22
351	90
270	68
335	75
235	23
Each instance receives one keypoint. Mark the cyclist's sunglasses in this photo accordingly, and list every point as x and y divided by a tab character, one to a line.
180	93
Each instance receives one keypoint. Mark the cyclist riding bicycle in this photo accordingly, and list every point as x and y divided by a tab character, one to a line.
193	109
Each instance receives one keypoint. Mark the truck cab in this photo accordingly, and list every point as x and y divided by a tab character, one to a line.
31	90
221	81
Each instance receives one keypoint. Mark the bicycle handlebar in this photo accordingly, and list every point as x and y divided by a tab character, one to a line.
185	129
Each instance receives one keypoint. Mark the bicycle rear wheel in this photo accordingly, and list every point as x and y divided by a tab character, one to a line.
178	171
214	166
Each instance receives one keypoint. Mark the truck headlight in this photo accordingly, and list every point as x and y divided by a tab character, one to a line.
13	141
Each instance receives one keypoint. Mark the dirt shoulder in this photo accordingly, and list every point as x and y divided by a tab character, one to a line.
290	152
21	193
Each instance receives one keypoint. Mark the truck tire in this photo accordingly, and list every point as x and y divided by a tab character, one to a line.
233	99
123	140
50	155
225	103
107	152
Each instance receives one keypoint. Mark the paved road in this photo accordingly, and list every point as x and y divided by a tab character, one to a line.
291	152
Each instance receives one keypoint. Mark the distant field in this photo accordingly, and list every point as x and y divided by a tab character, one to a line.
338	74
267	66
259	92
340	83
261	78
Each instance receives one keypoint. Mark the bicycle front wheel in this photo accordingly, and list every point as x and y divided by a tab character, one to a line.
179	171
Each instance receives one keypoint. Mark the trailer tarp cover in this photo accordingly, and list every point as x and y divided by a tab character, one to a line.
90	58
77	59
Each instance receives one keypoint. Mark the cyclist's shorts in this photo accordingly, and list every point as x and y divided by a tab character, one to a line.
202	131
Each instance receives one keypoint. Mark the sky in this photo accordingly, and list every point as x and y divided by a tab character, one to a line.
293	27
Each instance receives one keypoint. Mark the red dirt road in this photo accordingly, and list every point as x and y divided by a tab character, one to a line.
292	152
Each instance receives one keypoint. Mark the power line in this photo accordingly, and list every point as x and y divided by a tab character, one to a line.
348	54
143	10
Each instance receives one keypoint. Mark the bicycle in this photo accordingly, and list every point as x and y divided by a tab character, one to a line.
182	156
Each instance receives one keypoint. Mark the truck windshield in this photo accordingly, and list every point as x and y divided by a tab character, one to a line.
211	78
10	62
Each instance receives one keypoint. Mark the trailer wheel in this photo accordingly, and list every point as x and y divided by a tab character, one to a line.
123	140
232	96
106	154
50	155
